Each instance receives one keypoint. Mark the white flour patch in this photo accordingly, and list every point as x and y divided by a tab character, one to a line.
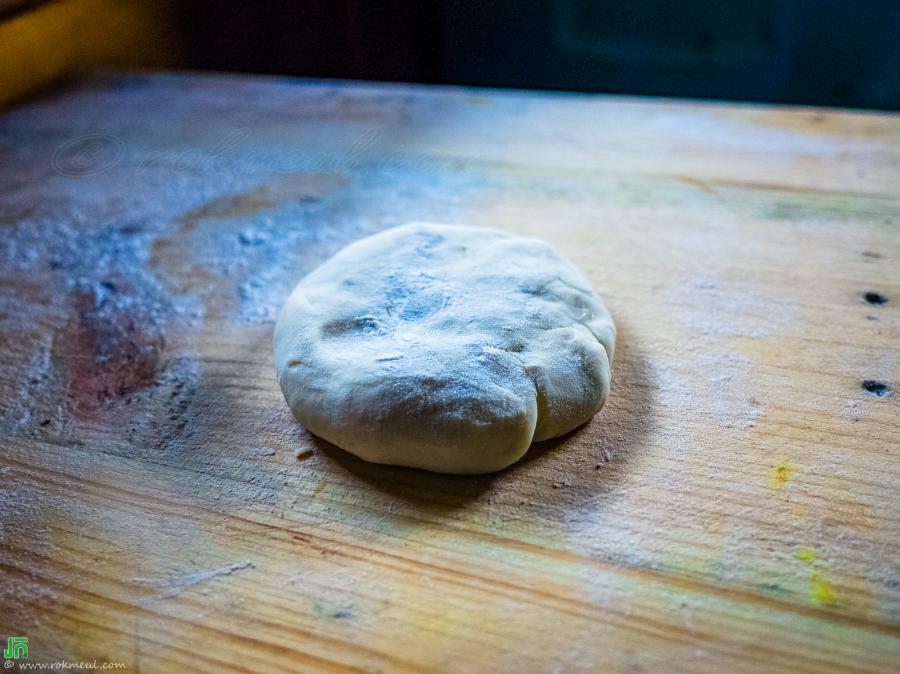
261	451
177	583
854	410
723	397
688	405
720	309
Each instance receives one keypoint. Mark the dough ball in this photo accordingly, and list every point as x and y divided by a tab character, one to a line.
444	347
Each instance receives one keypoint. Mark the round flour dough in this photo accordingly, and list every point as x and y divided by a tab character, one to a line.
444	347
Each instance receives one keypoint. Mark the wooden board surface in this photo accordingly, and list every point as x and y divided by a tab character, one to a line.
734	507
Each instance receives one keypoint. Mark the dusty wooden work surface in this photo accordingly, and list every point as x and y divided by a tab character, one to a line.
735	507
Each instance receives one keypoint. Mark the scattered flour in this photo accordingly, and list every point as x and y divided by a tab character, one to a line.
723	397
177	583
262	451
719	309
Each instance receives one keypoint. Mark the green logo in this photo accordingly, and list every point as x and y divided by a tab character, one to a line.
16	647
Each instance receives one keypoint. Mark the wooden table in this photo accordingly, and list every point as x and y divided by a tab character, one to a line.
735	507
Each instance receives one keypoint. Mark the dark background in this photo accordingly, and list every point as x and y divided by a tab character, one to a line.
822	52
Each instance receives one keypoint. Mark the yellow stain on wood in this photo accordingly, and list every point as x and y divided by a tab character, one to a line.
807	555
56	39
781	474
820	590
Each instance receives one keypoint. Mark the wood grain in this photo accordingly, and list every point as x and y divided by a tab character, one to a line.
733	508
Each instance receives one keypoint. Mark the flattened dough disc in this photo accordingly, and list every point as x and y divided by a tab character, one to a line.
444	347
